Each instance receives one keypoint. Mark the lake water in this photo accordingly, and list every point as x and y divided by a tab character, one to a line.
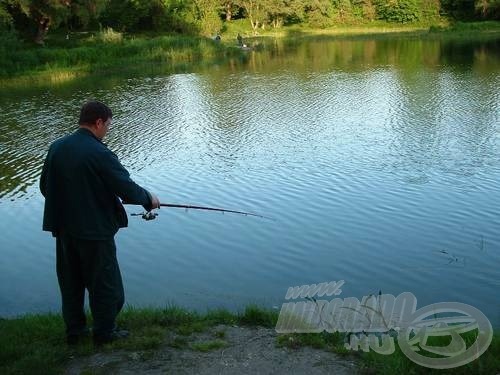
378	158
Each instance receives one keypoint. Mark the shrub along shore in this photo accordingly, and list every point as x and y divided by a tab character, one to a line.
104	52
35	344
66	57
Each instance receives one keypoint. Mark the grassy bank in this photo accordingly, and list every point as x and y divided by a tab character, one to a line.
467	27
365	28
397	363
34	344
64	59
83	54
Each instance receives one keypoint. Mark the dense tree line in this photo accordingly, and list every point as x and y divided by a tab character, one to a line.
36	17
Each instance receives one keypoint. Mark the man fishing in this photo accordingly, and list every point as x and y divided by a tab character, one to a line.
82	181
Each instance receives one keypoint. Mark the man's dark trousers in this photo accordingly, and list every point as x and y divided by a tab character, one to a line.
92	265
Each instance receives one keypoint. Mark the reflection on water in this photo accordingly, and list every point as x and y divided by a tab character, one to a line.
376	155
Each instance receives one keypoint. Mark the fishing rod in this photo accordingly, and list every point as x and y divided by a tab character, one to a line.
152	215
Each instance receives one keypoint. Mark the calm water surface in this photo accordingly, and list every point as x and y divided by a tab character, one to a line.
379	158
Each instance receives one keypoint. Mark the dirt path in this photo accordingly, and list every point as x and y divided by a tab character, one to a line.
248	351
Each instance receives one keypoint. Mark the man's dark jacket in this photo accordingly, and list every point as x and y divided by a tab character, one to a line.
81	182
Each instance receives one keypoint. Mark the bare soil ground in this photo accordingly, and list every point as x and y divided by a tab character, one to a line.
237	350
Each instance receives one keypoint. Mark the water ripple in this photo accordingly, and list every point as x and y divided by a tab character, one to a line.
379	173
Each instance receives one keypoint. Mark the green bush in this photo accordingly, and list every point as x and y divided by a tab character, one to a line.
458	9
318	19
9	45
402	11
147	15
6	21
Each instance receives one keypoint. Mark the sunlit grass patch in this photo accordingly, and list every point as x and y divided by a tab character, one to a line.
108	35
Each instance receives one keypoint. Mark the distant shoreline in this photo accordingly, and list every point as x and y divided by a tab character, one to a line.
108	52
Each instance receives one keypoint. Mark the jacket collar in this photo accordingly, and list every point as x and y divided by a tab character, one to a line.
85	131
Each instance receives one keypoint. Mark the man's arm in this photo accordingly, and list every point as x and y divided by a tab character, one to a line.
119	181
43	177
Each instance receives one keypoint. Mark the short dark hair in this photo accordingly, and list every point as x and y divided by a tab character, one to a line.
92	111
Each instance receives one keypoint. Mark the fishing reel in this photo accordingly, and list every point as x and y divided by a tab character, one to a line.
149	215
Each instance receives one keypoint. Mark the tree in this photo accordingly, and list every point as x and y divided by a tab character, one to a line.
208	15
42	13
344	9
133	15
458	9
127	14
255	10
399	10
281	10
319	12
488	8
368	10
84	11
430	9
6	21
230	8
276	13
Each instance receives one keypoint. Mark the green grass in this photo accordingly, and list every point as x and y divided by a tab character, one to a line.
466	27
220	334
398	363
64	59
255	316
189	329
35	344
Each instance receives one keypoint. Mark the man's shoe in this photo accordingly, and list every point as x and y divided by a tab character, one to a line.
116	334
74	338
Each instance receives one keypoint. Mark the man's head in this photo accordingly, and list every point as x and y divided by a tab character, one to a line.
96	117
